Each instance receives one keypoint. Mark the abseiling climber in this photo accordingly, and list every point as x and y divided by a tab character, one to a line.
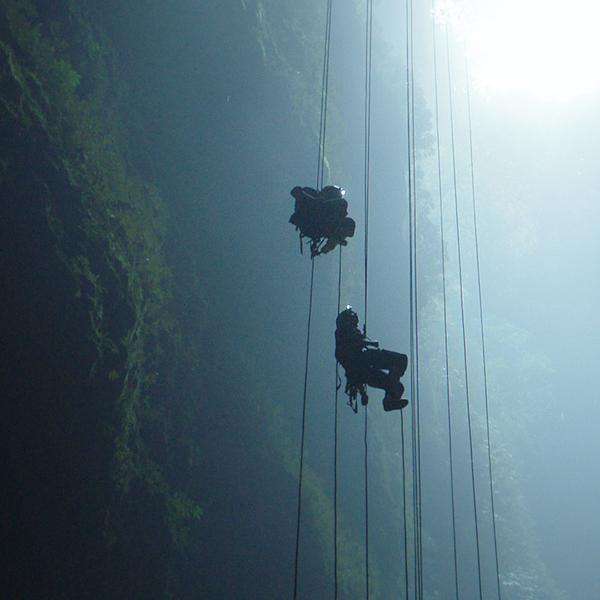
322	217
365	364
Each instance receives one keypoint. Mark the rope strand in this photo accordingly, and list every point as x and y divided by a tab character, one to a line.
413	300
320	171
483	353
416	403
324	97
404	507
335	444
367	156
367	160
303	427
366	506
462	316
443	256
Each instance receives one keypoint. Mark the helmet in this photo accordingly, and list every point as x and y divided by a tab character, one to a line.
347	319
333	192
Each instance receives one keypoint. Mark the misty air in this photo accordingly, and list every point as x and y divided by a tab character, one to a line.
299	299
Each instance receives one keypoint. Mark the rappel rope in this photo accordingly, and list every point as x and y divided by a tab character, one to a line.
417	548
367	159
320	170
404	519
462	316
335	443
301	467
367	155
485	382
443	261
324	97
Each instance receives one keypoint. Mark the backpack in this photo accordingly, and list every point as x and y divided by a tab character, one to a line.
316	217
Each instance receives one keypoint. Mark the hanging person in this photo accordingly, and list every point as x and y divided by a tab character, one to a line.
366	364
322	217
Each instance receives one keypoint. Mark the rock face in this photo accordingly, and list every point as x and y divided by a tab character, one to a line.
93	509
52	434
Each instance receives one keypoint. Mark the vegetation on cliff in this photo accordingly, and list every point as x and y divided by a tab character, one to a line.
60	96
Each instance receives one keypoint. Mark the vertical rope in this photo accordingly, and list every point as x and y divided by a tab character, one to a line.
367	156
410	267
462	315
485	380
335	443
366	506
413	299
367	160
416	403
303	427
404	507
443	256
320	169
324	97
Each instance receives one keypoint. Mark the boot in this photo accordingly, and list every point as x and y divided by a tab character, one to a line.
393	402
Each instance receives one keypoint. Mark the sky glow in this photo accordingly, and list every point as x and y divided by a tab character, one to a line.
545	48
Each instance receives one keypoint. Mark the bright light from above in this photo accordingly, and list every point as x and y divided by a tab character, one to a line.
547	48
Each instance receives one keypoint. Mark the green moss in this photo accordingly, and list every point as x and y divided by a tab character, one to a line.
181	511
116	256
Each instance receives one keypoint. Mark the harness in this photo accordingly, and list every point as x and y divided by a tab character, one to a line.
353	390
316	244
317	218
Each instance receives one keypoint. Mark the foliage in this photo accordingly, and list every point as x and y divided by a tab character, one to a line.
57	86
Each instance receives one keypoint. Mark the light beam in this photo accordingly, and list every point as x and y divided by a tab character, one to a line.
546	48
